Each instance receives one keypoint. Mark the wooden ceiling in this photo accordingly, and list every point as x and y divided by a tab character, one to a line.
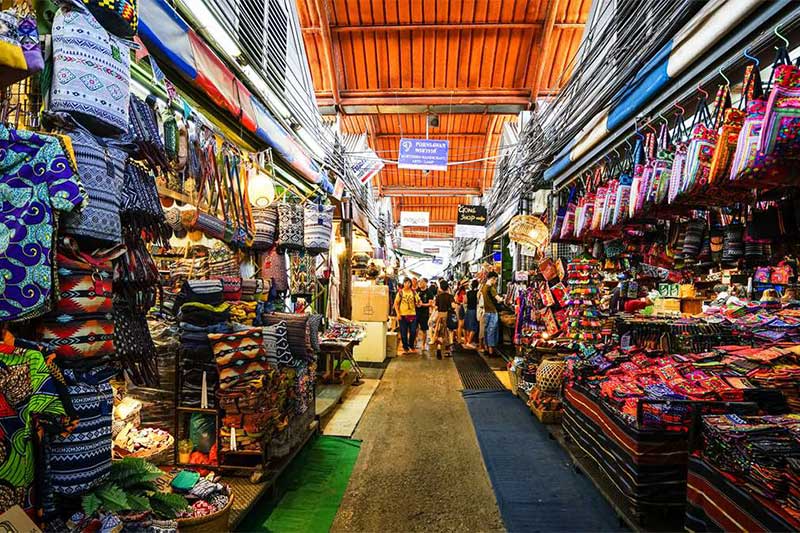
384	65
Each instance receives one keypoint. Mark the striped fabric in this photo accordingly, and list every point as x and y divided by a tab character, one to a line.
82	459
714	503
241	358
265	220
298	333
647	466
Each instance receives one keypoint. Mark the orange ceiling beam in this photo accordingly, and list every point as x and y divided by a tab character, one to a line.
544	44
400	191
476	26
328	50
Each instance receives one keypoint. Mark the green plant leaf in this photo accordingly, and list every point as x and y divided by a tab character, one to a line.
138	502
113	497
167	505
132	471
91	504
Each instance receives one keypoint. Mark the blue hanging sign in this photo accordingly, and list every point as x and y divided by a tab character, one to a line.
423	154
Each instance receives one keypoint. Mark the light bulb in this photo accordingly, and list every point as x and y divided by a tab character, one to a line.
260	188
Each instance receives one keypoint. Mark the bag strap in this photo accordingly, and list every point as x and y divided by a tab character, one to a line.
722	102
702	116
752	87
781	58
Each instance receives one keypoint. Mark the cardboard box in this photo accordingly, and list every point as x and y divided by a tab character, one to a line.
370	303
372	348
391	344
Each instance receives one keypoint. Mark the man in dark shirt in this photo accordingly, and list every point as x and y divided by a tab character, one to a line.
424	311
490	318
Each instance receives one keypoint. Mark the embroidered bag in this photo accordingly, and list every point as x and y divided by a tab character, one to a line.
231	288
82	460
20	54
781	274
252	289
762	275
101	165
120	17
679	137
274	270
780	133
81	326
91	72
291	222
302	279
318	228
722	163
265	220
699	151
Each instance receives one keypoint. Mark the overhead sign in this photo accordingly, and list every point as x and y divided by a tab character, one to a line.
471	222
432	251
366	169
415	218
423	154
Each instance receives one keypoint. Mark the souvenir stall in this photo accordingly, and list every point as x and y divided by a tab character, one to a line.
674	335
161	291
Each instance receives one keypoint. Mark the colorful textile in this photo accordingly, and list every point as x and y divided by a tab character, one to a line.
31	398
318	228
298	332
241	358
36	181
82	460
276	343
274	270
302	278
91	72
101	164
291	221
265	220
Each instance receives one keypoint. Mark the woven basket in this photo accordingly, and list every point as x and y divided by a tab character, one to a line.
550	374
158	456
530	231
219	521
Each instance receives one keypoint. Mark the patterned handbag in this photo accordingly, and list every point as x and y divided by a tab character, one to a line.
780	134
274	270
82	459
20	54
318	226
144	130
231	288
265	220
302	278
699	151
730	132
120	17
291	222
80	328
91	72
252	290
101	165
680	139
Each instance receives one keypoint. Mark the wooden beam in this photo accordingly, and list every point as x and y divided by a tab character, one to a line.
544	44
445	26
436	135
328	53
489	137
400	191
388	99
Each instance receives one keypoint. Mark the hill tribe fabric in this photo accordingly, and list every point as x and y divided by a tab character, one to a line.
265	220
291	221
91	72
276	344
82	459
241	358
37	183
318	228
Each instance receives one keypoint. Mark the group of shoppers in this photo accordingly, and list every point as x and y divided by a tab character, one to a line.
464	313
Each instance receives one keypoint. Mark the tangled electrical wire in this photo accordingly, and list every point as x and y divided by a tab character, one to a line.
619	40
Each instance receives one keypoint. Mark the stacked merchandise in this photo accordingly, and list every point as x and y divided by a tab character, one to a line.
748	468
584	320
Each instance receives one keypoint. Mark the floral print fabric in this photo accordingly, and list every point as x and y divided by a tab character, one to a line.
36	179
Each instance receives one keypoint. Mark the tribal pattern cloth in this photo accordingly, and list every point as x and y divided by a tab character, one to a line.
240	357
291	221
36	182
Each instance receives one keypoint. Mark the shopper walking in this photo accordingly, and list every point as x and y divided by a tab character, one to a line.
461	300
471	315
445	308
490	318
405	305
424	311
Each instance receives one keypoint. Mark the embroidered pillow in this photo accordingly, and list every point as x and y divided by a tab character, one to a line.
240	357
276	343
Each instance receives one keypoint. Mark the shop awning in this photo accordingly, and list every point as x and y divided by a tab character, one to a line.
411	253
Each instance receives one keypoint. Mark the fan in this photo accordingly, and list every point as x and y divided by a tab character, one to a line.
530	231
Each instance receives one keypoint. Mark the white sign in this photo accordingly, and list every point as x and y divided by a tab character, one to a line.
415	218
527	251
470	232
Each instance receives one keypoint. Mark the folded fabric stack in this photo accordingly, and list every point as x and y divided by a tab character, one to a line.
755	449
243	312
206	495
199	377
344	331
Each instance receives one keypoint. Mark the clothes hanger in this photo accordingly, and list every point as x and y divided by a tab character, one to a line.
781	37
724	77
752	58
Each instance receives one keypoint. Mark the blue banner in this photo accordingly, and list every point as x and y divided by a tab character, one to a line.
423	154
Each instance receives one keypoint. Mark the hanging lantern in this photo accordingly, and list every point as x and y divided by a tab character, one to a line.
260	188
529	230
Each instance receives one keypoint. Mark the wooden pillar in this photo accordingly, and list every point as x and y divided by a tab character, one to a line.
346	265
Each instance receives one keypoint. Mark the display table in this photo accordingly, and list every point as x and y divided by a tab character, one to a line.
715	503
334	352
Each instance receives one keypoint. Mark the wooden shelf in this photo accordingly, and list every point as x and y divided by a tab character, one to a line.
175	195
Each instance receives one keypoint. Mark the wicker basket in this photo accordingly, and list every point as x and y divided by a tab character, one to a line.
529	231
158	456
219	521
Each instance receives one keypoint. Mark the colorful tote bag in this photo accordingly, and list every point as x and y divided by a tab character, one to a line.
20	55
80	328
120	17
291	222
91	72
82	459
780	133
274	270
302	278
318	228
101	165
265	220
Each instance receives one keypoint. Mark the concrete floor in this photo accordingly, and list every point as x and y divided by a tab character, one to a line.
420	468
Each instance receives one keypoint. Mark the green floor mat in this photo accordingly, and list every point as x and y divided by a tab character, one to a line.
310	490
